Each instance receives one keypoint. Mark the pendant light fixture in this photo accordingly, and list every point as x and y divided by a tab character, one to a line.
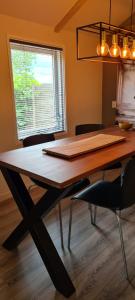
114	44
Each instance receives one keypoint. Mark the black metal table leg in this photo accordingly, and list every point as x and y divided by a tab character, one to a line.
51	259
33	223
43	206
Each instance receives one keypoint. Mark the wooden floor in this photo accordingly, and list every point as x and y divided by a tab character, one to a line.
94	264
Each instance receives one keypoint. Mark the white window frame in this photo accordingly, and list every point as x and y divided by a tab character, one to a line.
10	39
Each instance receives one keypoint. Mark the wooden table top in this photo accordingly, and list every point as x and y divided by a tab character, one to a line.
60	172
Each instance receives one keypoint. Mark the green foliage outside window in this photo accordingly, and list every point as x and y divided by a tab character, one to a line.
24	83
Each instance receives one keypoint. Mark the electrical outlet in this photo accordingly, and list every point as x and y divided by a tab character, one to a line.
114	104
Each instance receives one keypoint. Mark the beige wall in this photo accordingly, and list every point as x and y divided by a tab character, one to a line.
83	79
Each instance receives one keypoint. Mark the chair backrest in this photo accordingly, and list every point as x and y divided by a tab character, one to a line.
128	184
38	139
86	128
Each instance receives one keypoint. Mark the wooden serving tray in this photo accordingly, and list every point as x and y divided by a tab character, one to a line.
84	145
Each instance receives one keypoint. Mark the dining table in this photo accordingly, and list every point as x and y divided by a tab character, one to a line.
59	174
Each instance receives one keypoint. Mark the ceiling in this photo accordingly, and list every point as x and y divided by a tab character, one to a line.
46	12
98	10
50	12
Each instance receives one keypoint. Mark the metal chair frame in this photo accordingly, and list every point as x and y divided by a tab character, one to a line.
93	222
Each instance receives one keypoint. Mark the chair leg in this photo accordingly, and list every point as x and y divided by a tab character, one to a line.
70	224
61	225
95	215
90	210
92	215
119	213
122	245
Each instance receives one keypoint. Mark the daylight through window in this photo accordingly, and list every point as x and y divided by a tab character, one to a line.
38	81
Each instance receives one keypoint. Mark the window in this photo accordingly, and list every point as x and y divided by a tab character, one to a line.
38	82
126	92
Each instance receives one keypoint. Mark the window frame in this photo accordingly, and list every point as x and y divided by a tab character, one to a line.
38	45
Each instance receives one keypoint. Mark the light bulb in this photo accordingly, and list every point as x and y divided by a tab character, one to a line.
102	48
115	49
132	51
125	51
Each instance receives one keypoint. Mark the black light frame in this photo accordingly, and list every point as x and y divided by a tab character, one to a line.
98	28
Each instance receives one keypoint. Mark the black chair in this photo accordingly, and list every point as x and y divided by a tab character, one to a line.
116	196
86	128
35	140
43	138
38	139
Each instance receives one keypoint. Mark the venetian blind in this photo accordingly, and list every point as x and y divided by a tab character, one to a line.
38	81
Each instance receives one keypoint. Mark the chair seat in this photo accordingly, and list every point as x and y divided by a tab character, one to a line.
103	193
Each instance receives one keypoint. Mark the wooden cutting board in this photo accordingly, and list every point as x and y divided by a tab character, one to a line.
84	145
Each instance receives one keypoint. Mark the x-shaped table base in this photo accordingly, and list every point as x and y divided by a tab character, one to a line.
33	224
